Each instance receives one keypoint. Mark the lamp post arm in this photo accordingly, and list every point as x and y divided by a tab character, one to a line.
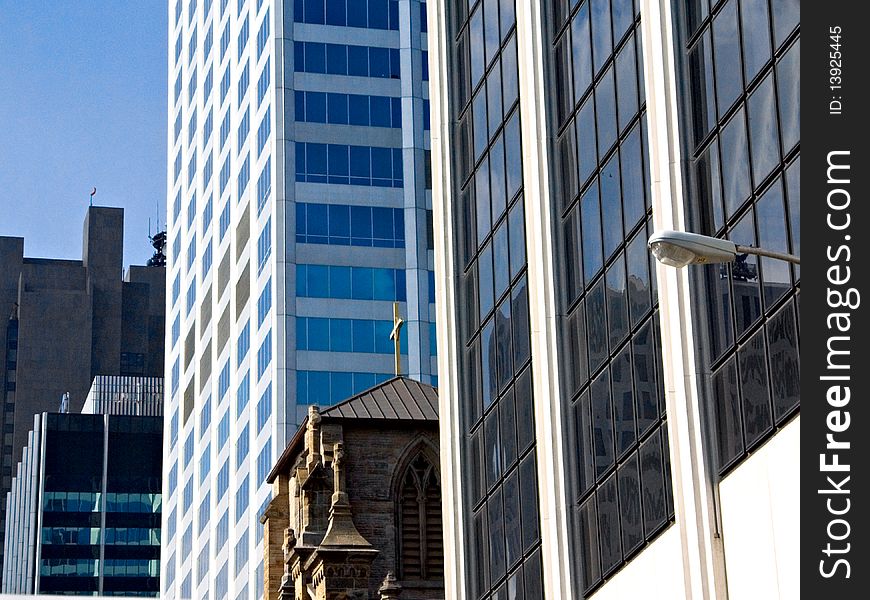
769	253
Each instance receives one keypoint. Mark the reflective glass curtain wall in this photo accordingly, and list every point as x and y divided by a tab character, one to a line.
741	117
618	479
498	452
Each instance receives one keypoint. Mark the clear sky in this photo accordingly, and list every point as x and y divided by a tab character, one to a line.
82	104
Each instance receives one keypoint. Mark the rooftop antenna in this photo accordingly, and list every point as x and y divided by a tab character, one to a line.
93	193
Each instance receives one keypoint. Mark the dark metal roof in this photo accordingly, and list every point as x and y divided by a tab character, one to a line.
398	398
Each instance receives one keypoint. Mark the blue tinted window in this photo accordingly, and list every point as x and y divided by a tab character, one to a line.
315	107
358	61
339	282
315	58
336	59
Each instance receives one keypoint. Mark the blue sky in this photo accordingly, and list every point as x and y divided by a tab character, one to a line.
83	104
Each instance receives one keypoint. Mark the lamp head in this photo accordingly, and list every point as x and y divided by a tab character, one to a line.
681	248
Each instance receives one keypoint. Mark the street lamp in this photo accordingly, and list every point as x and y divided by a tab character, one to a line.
681	248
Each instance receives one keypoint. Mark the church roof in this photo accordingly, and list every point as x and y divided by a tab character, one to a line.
399	398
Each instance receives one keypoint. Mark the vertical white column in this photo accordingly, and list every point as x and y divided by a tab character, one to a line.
702	554
555	554
451	435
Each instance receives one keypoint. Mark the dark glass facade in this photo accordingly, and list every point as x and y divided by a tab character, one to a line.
741	117
498	454
96	525
618	475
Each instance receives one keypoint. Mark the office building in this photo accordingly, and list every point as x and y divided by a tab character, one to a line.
356	505
85	504
64	322
613	427
298	214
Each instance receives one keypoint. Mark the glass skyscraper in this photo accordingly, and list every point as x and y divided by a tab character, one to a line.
299	212
612	427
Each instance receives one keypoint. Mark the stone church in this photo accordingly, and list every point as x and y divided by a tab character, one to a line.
356	507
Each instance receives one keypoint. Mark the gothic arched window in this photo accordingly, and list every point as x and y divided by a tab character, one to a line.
421	546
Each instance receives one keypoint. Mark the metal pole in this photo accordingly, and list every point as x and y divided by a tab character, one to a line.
769	254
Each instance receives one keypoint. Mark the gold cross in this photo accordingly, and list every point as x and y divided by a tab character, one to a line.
396	335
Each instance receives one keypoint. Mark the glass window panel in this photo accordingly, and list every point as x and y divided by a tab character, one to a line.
609	533
719	321
510	88
384	285
529	501
744	276
773	235
757	419
338	163
756	36
336	57
315	107
702	83
500	257
735	163
381	112
512	523
340	335
617	302
575	352
379	62
337	108
360	165
497	178
362	283
315	58
645	379
602	423
496	535
488	368
492	34
708	177
602	40
504	354
517	235
358	61
378	14
339	220
520	323
318	281
513	155
363	335
726	49
565	179
339	282
629	505
638	277
764	133
482	199
623	17
652	484
784	361
726	401
611	205
788	86
571	256
508	16
587	153
382	163
481	136
562	92
792	179
492	449
786	16
508	427
623	401
479	555
587	523
590	216
475	33
596	324
584	469
605	111
485	281
358	109
581	51
525	410
626	82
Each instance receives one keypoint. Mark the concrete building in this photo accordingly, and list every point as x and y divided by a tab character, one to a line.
65	322
299	212
84	509
356	506
615	428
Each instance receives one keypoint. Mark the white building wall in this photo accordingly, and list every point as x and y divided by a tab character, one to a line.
761	514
